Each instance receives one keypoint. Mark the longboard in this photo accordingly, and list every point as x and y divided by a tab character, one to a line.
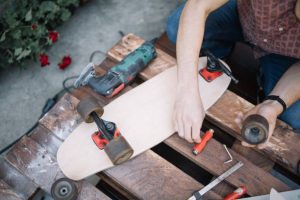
143	116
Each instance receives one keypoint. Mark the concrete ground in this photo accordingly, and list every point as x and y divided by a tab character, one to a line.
94	26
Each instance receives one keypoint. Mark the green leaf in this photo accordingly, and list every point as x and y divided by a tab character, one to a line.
3	36
16	34
65	14
11	19
28	16
24	53
48	6
18	51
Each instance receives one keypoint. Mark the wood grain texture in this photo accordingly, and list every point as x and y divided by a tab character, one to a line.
7	193
255	157
212	159
58	118
46	139
283	145
148	176
41	167
24	187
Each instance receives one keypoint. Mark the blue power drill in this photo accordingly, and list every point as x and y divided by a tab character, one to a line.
121	74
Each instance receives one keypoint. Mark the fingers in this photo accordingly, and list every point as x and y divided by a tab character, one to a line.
180	128
239	119
245	144
196	133
188	132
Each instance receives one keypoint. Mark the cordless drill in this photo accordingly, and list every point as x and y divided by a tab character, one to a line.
116	78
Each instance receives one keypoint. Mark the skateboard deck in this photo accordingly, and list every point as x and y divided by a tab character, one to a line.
143	116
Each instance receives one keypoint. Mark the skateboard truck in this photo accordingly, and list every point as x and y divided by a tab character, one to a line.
108	137
214	68
255	129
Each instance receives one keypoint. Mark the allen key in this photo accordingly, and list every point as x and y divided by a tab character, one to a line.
230	160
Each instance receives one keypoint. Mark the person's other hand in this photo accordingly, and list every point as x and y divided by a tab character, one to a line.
268	109
188	115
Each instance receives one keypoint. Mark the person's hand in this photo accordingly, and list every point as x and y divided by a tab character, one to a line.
268	109
188	114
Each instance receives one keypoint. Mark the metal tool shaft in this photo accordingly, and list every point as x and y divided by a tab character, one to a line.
215	182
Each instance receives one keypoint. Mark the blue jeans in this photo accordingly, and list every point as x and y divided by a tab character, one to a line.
222	31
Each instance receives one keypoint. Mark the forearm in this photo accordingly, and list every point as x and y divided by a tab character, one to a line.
189	41
288	87
190	37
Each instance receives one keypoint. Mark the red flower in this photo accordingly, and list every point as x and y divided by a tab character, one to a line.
65	62
33	26
44	60
53	36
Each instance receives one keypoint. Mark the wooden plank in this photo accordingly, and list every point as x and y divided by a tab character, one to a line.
255	157
17	181
46	139
166	45
8	193
212	159
223	113
57	119
148	176
283	145
116	186
41	167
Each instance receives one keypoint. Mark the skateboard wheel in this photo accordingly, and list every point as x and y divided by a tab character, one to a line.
87	106
118	150
255	129
64	189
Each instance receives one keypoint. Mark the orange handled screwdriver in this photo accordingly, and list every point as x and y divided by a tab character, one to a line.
200	146
239	192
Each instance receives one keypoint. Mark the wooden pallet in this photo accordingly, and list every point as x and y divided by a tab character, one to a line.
31	163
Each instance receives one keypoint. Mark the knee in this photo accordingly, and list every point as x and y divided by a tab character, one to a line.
292	116
173	23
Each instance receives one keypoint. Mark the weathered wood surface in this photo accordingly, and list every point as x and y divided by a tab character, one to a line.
148	176
7	193
107	180
24	187
41	167
255	157
256	180
283	146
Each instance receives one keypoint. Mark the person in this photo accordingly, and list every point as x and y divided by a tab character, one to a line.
271	27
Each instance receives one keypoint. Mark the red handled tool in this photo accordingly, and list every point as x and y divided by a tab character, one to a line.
200	146
239	192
